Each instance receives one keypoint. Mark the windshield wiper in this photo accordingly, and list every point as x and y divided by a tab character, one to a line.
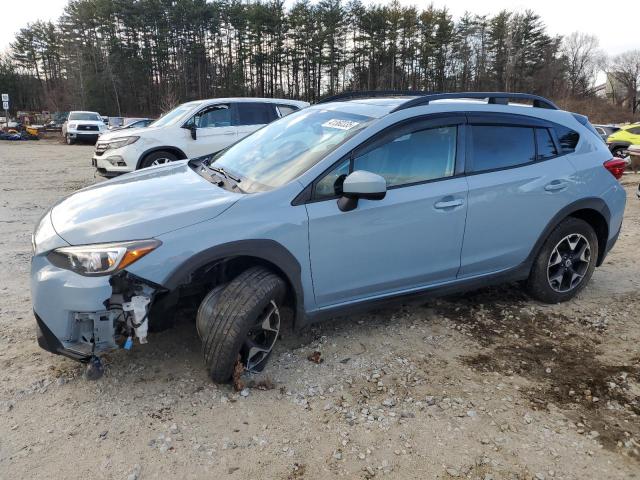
221	172
224	173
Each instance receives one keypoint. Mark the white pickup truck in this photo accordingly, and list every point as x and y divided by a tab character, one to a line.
81	125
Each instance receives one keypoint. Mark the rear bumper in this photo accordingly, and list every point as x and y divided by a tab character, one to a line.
610	243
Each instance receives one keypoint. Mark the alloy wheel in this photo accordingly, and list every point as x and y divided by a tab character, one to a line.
160	161
261	338
568	263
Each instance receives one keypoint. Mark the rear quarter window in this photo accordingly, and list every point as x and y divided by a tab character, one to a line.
250	113
568	139
286	110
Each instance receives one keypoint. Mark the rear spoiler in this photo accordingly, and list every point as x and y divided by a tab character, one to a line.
584	120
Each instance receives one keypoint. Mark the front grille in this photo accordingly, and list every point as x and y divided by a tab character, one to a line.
88	128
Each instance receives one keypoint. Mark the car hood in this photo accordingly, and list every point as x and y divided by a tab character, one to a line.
128	132
86	122
139	205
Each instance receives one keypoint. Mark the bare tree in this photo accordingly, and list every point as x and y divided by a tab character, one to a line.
625	70
168	100
582	60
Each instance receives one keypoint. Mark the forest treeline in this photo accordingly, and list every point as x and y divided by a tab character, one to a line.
132	57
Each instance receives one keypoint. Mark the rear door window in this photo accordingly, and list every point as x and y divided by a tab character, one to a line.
254	113
497	146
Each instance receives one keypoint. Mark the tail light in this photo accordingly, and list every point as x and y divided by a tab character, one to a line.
616	167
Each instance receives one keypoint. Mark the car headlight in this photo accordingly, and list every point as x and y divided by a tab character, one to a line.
121	142
72	126
101	259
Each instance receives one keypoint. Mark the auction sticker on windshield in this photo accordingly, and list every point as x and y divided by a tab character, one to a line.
340	124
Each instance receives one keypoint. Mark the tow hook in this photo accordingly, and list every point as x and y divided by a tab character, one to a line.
95	368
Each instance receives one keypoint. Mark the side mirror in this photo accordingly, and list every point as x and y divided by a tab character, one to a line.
192	128
361	184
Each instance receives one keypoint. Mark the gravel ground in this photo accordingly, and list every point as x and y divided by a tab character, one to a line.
486	385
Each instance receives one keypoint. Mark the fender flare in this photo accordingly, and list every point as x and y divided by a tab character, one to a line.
262	249
156	149
591	203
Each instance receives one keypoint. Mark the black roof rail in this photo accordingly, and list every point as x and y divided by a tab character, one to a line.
500	98
352	94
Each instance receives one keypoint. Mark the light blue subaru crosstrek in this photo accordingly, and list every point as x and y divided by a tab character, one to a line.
341	206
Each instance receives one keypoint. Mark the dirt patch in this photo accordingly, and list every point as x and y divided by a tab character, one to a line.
565	365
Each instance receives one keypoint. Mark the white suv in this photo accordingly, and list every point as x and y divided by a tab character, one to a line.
82	125
190	130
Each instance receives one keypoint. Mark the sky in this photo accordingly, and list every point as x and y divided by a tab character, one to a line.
561	16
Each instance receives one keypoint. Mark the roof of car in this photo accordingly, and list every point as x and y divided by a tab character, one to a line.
299	103
380	103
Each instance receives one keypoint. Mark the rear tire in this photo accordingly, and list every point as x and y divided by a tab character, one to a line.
565	262
157	158
231	322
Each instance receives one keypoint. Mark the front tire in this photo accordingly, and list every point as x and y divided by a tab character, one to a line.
565	263
70	140
157	158
242	320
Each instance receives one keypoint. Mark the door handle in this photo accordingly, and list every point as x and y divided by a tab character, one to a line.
555	186
444	204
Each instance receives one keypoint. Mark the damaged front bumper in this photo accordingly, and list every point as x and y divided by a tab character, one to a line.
79	316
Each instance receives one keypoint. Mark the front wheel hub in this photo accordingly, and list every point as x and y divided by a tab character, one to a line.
261	338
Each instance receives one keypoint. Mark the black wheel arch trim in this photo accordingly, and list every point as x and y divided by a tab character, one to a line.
169	148
592	203
262	249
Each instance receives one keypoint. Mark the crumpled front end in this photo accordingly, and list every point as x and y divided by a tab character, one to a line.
71	310
80	316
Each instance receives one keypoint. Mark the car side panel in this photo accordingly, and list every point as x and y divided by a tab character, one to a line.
508	211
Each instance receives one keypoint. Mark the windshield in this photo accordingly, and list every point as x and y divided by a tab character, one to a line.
286	148
85	116
174	115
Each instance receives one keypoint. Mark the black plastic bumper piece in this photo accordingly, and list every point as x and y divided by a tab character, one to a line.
610	243
49	342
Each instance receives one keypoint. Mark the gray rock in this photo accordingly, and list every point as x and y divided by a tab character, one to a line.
453	472
389	402
135	473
